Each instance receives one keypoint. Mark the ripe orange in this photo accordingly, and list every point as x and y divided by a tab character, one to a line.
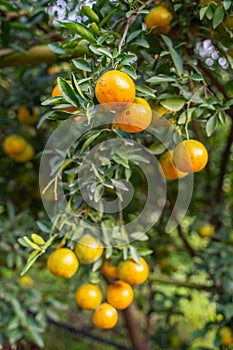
27	118
88	249
132	273
25	156
14	144
56	92
88	296
226	336
108	269
159	18
136	117
105	316
169	170
63	263
26	282
190	156
206	230
115	86
120	295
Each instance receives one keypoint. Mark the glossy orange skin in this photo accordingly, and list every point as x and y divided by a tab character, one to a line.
105	316
26	282
136	117
120	295
169	170
115	86
14	144
25	156
109	270
88	249
160	18
190	156
26	118
56	92
132	273
63	263
88	296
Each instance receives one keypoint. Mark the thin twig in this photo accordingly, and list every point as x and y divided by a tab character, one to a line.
131	18
189	285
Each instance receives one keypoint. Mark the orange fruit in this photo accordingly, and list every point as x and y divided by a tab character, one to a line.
159	18
136	117
88	296
28	118
56	92
119	294
105	316
14	144
25	156
158	112
169	170
26	282
63	263
206	230
108	269
115	86
190	156
132	273
88	249
226	336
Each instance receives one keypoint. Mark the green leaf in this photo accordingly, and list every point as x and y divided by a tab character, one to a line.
227	4
57	49
133	35
202	13
100	50
37	239
43	227
195	77
36	337
145	91
176	58
141	42
23	242
130	71
80	29
211	125
31	244
134	254
82	65
31	259
174	104
98	193
89	141
160	79
87	11
68	92
218	16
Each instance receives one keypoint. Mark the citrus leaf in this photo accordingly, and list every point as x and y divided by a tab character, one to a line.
67	92
218	16
80	29
176	58
211	125
87	11
37	239
82	65
174	104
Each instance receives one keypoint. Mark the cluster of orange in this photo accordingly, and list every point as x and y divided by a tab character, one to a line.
18	148
64	262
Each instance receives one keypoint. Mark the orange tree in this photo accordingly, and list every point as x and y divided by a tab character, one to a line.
144	78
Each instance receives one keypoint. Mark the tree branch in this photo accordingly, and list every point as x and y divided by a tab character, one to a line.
132	324
189	285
